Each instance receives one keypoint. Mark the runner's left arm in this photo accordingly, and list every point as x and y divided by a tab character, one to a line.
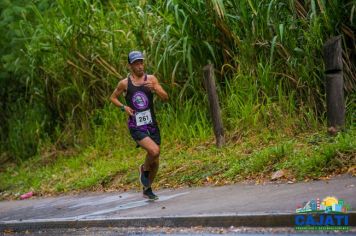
156	87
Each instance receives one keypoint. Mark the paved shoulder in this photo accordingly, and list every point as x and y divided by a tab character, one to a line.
225	201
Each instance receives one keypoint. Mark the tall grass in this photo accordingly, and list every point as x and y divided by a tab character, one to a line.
267	55
186	124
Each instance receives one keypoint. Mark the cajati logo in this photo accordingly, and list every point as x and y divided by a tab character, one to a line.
328	214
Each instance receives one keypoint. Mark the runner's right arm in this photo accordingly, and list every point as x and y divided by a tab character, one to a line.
120	88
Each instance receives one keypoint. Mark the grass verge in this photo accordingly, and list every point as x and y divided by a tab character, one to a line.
255	156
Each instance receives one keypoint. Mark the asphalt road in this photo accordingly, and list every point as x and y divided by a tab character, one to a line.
236	205
206	231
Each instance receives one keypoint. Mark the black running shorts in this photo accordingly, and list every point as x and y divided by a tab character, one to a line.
138	135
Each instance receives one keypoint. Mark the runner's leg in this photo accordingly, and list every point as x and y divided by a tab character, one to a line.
154	165
152	158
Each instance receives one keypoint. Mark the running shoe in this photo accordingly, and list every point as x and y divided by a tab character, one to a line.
147	193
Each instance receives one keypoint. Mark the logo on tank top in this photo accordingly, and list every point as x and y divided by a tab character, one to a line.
140	100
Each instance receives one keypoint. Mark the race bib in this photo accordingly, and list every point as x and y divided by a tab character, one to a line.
143	118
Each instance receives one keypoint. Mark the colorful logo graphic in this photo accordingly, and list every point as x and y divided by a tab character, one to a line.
327	205
328	214
140	100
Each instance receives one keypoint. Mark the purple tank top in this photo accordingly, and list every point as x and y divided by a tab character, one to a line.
140	99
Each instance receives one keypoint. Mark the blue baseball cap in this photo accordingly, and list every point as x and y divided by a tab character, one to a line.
134	56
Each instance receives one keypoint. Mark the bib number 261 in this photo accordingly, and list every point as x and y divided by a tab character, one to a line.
143	118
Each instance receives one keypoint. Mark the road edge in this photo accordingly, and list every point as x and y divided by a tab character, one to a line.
245	220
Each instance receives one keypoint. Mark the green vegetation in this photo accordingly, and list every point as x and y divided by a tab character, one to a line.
305	156
60	61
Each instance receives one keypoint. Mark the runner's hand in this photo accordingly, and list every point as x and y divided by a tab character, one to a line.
151	85
129	110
